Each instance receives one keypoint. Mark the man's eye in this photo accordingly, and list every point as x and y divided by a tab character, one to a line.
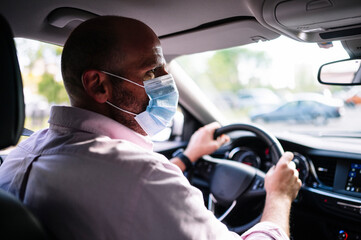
149	75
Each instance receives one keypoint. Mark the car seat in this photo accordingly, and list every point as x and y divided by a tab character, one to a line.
16	221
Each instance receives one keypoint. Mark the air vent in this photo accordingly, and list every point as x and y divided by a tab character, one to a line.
325	169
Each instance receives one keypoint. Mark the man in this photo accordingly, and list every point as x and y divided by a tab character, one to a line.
93	175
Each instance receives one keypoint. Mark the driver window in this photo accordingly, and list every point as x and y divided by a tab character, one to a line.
40	68
42	82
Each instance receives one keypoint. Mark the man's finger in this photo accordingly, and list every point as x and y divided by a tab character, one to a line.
297	173
222	139
271	170
292	165
213	125
286	157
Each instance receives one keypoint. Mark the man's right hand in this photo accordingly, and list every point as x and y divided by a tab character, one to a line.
282	180
282	185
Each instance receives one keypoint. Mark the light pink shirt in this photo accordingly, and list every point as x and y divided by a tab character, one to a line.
93	178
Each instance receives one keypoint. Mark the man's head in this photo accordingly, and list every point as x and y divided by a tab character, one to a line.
122	46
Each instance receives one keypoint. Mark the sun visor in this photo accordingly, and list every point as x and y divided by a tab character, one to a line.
215	37
314	20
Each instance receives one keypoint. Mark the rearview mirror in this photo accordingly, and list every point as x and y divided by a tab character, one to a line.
344	72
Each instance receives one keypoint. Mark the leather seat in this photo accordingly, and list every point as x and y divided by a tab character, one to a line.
16	222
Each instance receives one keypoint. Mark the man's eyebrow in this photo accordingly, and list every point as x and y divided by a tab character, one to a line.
153	63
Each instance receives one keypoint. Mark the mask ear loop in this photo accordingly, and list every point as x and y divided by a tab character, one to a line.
111	104
125	79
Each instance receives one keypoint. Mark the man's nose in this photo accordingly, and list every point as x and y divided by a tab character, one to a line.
162	71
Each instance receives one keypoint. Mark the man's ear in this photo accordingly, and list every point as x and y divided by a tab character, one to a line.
96	85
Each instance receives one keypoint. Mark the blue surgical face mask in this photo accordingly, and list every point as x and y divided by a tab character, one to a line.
162	106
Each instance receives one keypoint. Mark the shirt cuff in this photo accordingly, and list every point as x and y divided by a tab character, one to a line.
265	230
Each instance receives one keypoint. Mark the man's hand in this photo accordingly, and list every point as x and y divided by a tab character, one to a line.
282	185
202	142
282	180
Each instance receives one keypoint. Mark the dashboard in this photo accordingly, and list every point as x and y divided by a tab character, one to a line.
329	202
330	170
338	172
330	198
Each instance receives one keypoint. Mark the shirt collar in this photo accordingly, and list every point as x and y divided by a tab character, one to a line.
93	122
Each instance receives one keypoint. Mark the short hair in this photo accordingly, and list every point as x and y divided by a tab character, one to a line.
92	45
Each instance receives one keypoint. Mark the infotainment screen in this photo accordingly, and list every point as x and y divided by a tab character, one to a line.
353	183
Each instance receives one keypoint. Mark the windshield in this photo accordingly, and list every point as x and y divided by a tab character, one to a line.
274	84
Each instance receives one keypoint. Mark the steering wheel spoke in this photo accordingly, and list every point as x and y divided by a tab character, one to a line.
257	188
212	207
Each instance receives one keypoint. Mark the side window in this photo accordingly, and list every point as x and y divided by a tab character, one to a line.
40	70
43	86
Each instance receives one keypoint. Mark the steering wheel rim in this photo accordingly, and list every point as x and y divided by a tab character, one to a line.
275	146
276	151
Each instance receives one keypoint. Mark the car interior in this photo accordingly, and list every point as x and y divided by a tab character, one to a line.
231	179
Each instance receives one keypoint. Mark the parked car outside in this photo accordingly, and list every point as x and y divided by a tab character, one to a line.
316	110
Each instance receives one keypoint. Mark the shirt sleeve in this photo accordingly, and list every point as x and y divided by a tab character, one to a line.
265	230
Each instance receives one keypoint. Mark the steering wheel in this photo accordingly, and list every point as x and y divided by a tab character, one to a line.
231	183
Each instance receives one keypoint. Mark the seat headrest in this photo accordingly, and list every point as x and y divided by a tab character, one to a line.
12	110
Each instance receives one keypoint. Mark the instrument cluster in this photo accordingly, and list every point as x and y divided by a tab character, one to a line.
261	159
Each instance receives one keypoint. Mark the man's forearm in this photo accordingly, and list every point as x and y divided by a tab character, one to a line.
179	163
277	210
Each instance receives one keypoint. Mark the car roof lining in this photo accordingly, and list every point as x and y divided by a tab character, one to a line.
52	22
222	36
184	27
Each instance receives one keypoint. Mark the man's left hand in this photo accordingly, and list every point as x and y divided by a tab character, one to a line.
202	142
